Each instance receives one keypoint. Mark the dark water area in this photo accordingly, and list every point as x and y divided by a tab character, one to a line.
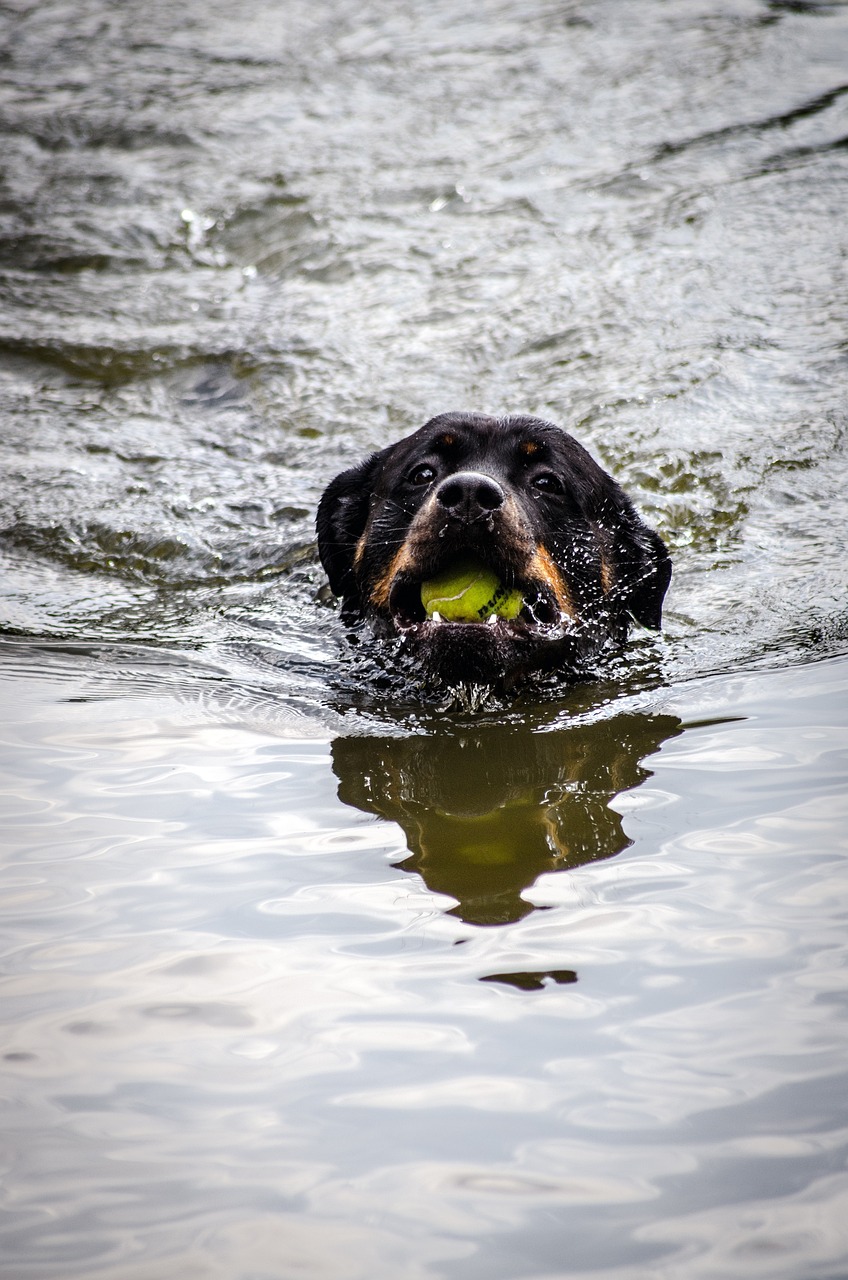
302	975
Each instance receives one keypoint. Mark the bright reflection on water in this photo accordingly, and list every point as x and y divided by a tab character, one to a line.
253	1031
303	978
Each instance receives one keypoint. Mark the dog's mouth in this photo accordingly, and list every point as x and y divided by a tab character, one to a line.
518	607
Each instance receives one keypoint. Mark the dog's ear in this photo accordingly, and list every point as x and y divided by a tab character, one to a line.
644	572
342	516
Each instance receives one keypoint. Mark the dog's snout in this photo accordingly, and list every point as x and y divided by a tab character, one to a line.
469	496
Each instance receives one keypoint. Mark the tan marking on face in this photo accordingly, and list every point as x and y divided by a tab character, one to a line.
381	590
446	441
360	550
529	447
607	575
543	566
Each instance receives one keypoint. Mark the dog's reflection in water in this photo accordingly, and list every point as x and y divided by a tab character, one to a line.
486	811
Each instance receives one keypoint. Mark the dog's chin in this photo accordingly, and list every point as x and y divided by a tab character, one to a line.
479	653
498	653
495	651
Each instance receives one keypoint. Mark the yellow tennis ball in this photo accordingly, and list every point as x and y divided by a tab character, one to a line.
469	592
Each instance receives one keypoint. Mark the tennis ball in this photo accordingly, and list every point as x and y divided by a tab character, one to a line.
469	592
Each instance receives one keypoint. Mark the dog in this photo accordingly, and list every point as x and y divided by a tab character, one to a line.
525	500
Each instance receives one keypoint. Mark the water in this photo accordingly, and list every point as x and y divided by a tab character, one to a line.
301	976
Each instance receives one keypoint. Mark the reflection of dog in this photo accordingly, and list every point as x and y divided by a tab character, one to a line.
522	497
487	811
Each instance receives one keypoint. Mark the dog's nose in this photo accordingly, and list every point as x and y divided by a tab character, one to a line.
469	496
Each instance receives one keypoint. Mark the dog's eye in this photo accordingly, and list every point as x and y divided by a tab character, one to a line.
547	482
421	475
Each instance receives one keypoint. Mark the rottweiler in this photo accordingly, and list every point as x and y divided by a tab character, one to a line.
519	496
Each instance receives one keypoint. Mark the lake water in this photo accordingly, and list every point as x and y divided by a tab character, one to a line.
302	977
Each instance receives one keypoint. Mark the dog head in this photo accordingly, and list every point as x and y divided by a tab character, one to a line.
525	500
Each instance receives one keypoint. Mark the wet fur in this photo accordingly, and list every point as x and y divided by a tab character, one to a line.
528	500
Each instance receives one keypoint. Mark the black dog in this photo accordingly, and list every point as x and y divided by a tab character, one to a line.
525	500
